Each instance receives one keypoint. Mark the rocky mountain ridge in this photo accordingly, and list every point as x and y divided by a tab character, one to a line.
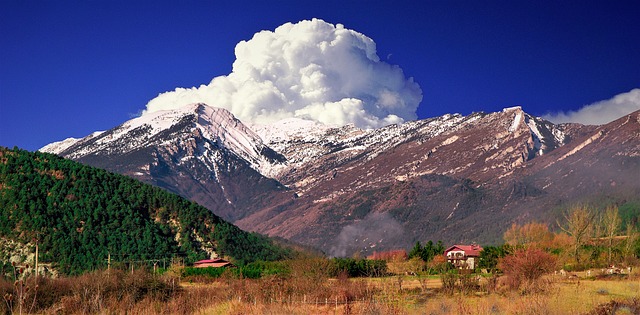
333	187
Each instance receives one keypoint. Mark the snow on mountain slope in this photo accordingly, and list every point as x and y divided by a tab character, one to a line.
477	143
290	129
215	124
300	152
59	146
302	141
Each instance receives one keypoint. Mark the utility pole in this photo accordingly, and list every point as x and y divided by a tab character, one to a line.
36	259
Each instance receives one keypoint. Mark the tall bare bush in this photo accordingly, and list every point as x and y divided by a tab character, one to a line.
611	224
632	236
524	268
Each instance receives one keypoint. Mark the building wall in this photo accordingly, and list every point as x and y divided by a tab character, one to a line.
459	255
471	262
452	254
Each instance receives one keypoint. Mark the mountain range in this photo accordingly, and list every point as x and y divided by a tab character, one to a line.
348	190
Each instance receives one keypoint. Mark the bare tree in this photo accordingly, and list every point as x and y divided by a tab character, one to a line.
611	225
632	236
532	234
598	226
578	222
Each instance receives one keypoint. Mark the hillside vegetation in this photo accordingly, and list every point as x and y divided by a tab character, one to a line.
80	215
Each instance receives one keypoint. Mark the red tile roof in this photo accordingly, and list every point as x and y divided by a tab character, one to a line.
469	250
209	261
212	263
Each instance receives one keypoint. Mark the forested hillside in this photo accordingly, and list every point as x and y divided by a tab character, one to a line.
81	214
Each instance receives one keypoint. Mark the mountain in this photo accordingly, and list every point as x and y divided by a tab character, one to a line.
82	215
199	152
455	178
344	189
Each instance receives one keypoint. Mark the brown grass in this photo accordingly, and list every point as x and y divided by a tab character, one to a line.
309	291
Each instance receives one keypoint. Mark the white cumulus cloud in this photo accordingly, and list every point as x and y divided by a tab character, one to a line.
601	112
310	69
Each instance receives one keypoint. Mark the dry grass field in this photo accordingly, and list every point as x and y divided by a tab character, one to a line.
120	292
422	296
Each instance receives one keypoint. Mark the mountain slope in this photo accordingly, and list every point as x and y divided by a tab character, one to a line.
344	189
199	152
468	182
81	215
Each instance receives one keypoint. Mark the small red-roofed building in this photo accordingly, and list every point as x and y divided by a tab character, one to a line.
463	256
215	263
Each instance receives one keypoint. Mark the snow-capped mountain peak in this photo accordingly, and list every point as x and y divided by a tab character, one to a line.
59	146
290	129
216	125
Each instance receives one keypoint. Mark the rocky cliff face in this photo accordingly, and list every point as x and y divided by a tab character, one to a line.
343	189
476	146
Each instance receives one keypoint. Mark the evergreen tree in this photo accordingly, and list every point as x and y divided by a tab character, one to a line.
82	214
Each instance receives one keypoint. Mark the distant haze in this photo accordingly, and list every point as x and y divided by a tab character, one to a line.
313	70
375	229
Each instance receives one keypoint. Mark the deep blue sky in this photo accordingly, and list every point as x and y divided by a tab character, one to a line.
70	68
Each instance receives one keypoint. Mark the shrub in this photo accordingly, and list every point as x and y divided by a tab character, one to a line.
524	268
268	268
464	283
391	255
95	292
209	272
469	283
629	306
449	280
253	270
439	264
